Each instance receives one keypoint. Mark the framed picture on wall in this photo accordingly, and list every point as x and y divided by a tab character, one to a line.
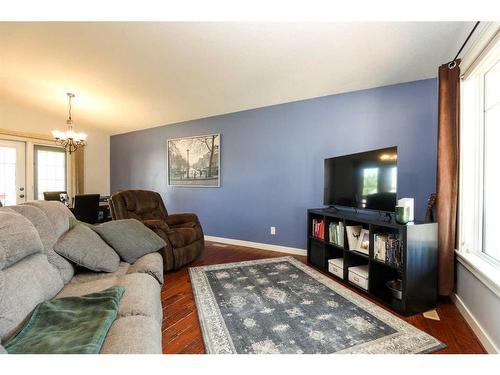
194	161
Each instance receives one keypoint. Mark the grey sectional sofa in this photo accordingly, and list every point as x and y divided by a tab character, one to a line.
30	275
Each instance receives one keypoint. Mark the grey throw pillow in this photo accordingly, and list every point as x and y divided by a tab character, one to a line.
130	238
81	245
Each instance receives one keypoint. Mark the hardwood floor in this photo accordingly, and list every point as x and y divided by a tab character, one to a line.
182	334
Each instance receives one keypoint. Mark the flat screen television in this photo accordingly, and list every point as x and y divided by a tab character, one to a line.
367	180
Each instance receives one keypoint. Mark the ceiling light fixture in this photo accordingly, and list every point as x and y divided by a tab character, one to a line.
69	139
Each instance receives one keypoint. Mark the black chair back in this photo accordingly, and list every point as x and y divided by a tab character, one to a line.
53	195
86	208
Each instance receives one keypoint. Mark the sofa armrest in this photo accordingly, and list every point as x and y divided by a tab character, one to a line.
177	219
152	264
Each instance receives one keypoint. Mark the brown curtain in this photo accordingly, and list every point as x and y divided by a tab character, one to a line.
77	162
447	173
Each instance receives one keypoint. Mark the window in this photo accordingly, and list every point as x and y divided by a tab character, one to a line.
50	170
370	181
491	203
480	158
394	179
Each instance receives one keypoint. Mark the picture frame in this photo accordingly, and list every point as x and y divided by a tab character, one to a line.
194	161
364	242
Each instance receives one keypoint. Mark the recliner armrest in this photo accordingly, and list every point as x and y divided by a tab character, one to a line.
176	219
156	225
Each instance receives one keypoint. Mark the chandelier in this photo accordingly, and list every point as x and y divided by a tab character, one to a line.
69	139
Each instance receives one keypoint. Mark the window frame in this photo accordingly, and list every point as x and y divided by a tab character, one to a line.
484	109
471	229
59	149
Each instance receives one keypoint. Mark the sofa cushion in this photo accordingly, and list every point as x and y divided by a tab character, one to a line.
84	276
142	294
152	264
18	238
130	238
23	286
83	246
45	229
57	213
133	335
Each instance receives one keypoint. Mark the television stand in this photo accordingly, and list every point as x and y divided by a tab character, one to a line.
417	268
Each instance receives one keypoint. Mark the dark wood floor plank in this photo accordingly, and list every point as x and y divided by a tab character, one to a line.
182	332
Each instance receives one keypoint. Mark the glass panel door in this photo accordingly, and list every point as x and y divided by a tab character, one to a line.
50	170
12	172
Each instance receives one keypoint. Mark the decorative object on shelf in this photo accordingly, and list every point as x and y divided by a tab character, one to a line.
363	245
69	139
379	246
353	232
410	203
429	212
402	214
194	161
396	288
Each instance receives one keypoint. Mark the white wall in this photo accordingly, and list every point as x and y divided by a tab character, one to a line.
482	308
18	117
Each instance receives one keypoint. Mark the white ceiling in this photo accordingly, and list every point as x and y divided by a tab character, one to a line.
130	76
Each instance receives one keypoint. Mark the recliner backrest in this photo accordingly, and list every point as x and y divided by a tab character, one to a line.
137	204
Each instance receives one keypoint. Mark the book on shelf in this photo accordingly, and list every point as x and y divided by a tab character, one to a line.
336	233
318	228
393	249
387	248
353	232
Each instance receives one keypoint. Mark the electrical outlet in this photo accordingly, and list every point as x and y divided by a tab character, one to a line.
273	231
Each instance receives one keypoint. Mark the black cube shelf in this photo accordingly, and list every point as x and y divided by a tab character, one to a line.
417	270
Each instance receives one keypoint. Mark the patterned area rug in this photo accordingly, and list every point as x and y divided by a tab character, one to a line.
281	305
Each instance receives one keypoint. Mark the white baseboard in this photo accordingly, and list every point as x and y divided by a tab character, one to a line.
474	324
257	245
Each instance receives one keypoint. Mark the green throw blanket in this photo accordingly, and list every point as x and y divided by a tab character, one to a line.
76	325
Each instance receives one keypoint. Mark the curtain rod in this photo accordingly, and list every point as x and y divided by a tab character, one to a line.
453	63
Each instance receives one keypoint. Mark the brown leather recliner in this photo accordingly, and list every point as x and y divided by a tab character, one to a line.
182	232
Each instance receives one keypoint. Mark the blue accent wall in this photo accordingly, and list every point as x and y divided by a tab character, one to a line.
272	158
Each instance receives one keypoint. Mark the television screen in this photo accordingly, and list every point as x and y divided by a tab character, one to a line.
364	180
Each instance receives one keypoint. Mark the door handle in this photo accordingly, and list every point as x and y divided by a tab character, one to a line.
21	189
21	195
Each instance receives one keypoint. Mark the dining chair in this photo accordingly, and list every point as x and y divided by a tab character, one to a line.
86	207
53	195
